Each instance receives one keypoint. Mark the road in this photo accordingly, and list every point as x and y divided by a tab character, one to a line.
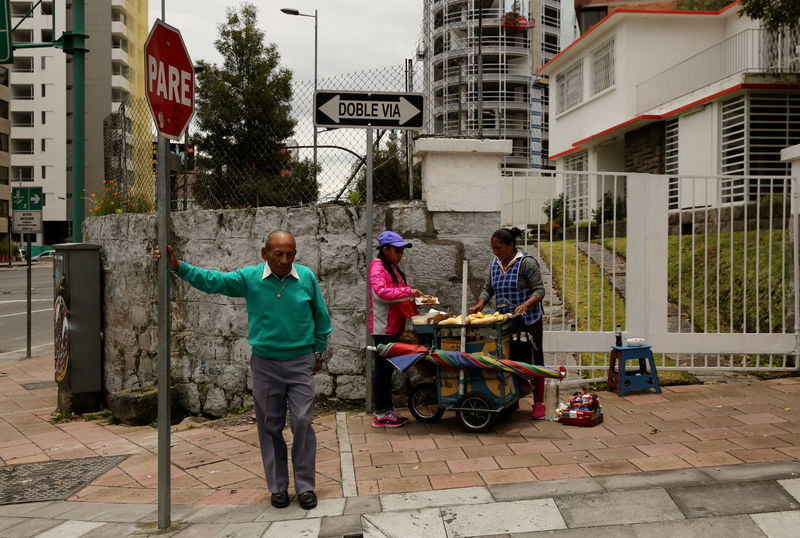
13	307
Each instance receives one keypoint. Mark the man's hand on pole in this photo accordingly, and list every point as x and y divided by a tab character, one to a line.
174	262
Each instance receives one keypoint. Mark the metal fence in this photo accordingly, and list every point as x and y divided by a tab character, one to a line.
710	283
223	170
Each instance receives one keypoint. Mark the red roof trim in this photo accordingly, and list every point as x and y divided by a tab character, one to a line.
557	155
657	12
576	145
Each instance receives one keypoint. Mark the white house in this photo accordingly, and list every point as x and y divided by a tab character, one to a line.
678	93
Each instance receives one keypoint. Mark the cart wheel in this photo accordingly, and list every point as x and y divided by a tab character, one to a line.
423	402
477	419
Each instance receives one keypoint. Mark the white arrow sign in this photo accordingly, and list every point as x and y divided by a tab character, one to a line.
35	198
338	109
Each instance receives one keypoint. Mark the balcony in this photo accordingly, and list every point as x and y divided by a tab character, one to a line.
118	28
120	55
752	51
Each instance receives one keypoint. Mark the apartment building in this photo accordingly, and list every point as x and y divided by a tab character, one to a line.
41	97
677	93
479	57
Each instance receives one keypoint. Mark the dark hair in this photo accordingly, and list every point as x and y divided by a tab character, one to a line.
509	237
388	266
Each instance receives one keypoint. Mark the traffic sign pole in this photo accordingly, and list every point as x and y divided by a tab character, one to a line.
28	255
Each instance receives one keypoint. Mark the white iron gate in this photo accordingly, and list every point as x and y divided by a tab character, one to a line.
705	270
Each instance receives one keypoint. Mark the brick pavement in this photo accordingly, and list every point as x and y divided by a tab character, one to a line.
685	427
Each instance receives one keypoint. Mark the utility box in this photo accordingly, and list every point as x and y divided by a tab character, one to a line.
78	337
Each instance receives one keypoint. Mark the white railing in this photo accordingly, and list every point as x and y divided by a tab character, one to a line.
709	285
754	50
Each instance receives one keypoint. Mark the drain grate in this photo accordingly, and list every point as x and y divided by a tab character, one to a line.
51	480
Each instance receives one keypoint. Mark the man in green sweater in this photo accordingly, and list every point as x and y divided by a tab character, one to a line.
289	327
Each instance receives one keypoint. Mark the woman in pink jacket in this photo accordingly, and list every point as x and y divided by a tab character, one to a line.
388	289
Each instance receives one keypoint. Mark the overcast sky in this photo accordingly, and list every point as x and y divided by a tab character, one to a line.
354	35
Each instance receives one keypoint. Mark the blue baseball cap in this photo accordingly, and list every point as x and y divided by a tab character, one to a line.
392	238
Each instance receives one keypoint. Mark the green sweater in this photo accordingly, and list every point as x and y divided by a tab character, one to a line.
280	328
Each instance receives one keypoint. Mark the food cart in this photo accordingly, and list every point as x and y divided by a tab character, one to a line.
481	384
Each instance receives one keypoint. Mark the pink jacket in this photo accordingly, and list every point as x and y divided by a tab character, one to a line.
384	316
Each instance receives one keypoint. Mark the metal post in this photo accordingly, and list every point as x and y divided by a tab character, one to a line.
367	261
315	92
28	255
78	120
409	156
10	253
163	339
164	322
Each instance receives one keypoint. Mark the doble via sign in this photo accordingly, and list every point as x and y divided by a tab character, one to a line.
391	110
170	80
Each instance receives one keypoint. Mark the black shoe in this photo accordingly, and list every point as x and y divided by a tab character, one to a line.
281	499
308	500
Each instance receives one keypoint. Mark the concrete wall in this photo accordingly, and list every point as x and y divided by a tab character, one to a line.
210	352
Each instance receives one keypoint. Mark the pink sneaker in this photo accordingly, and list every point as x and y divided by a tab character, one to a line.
538	411
389	420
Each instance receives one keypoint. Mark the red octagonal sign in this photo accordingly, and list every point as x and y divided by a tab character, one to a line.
170	80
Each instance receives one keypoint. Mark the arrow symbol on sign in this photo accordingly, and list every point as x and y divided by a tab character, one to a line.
35	198
337	109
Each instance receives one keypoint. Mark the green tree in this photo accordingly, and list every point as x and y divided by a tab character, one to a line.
389	173
776	14
243	117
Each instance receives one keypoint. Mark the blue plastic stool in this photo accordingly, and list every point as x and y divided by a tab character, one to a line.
621	379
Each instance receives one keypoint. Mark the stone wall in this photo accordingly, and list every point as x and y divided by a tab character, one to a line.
209	348
644	149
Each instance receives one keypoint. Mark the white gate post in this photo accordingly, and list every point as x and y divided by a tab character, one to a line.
646	260
792	154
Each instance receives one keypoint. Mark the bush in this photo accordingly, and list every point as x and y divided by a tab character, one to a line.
111	201
607	212
554	209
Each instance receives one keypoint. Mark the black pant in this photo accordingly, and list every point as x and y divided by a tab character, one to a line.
382	371
534	331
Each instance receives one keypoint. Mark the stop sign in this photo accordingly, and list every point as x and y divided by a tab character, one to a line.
170	80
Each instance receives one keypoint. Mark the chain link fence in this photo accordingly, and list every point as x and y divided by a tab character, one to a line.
220	170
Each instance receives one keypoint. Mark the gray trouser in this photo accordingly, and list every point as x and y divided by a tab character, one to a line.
275	383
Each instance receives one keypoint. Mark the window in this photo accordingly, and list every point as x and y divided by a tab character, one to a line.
22	36
44	144
47	35
47	8
3	142
22	173
44	170
44	90
44	117
22	146
22	64
3	175
3	76
671	161
603	66
22	91
20	9
44	63
21	119
577	187
3	208
569	87
3	109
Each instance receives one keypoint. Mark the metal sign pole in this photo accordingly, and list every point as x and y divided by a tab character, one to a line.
28	255
367	261
163	339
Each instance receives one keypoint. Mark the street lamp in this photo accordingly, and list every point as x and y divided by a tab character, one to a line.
291	11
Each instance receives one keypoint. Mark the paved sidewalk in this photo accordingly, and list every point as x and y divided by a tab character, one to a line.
722	455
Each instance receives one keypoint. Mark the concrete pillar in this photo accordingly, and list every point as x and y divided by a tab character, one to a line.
462	174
